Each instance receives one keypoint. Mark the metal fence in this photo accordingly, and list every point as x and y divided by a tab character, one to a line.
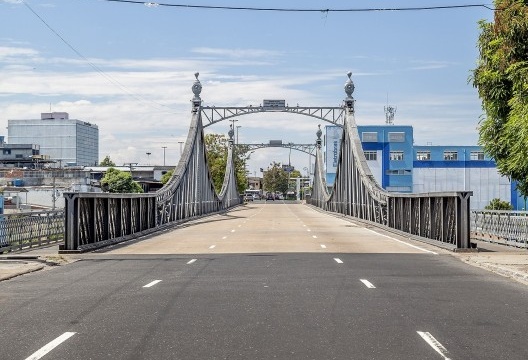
505	227
27	230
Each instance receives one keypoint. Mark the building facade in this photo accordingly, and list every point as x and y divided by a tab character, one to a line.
400	166
69	142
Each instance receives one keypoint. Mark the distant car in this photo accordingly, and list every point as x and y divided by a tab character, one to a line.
270	197
256	197
248	197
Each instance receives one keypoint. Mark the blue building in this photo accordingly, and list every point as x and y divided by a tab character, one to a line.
400	166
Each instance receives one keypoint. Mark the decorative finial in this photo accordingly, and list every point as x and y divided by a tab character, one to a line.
319	133
349	85
231	133
196	89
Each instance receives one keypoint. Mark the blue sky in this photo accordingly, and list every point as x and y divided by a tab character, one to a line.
131	69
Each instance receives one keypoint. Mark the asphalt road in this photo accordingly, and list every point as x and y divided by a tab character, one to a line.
268	281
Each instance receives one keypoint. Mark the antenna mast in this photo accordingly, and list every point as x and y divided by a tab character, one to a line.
390	111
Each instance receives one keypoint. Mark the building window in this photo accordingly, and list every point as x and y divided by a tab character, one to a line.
396	137
423	155
396	155
7	151
369	137
371	155
450	155
476	155
19	156
399	172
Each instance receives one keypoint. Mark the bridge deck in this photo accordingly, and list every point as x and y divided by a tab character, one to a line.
273	227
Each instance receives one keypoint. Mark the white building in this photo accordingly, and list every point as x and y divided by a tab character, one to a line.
67	141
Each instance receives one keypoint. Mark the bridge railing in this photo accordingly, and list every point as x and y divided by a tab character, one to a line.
99	219
440	217
27	230
500	226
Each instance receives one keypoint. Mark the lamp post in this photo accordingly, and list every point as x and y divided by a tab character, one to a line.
148	157
164	148
181	147
233	121
238	126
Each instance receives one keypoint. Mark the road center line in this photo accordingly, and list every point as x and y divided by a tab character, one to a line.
338	261
403	242
224	237
233	230
50	346
152	283
367	283
309	230
435	344
323	246
212	246
314	236
191	261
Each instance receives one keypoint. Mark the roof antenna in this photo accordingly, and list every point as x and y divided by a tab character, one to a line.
390	111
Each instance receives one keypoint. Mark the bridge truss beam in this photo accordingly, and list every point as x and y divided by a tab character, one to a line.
305	148
215	114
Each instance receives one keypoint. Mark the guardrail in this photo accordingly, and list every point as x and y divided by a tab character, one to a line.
500	226
27	230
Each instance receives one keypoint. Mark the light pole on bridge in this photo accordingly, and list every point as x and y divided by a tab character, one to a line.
164	148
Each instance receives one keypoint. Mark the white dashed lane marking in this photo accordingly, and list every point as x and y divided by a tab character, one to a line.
367	283
323	246
212	246
337	260
191	261
152	283
435	344
50	346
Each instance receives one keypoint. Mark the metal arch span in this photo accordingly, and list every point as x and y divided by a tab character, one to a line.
215	114
305	148
441	217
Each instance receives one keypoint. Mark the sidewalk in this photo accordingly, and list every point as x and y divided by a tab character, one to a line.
503	260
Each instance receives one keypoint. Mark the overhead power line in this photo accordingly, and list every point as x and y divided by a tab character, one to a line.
216	7
160	107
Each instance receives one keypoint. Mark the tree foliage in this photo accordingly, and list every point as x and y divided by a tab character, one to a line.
501	77
107	161
166	177
117	181
498	204
275	179
217	147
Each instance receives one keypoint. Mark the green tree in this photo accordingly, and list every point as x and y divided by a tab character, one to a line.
216	148
275	179
166	177
107	162
117	181
501	79
498	204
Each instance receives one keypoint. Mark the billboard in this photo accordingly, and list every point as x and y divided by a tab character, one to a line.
274	104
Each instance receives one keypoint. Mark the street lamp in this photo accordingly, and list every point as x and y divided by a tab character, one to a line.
238	126
164	148
181	147
148	157
233	121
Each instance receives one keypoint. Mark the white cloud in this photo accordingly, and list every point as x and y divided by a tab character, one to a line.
236	53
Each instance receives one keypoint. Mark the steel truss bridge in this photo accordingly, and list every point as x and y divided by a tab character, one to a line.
99	219
305	148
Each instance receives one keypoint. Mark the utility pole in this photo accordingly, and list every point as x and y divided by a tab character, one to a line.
181	147
148	157
164	148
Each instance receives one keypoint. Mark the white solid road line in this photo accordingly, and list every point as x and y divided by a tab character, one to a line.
50	346
367	283
403	242
191	261
323	246
152	283
435	344
338	261
212	246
